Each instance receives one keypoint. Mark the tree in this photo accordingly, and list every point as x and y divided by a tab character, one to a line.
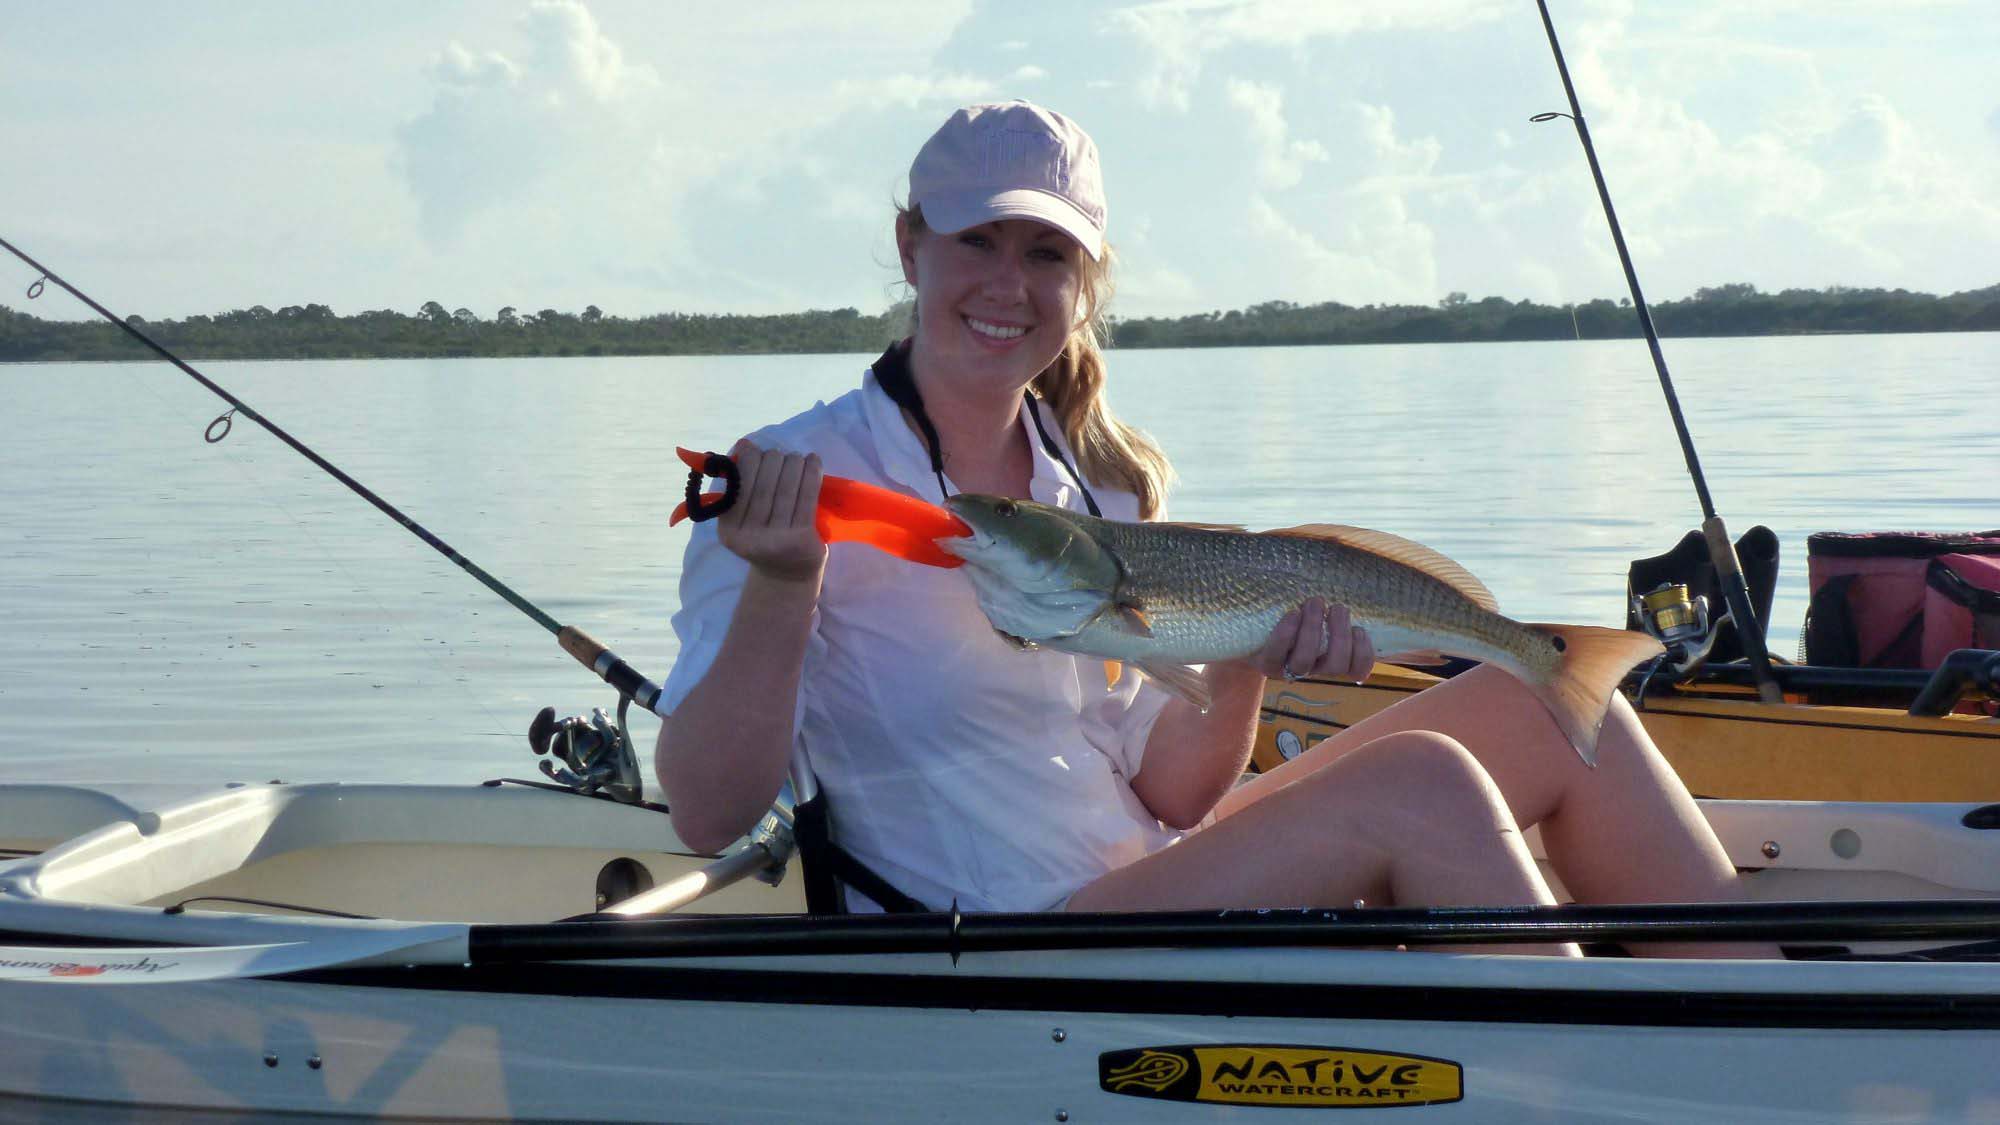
592	314
1453	300
435	313
506	316
1735	291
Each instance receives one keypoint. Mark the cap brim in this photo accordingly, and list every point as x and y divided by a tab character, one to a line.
951	212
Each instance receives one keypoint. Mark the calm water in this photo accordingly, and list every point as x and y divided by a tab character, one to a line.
178	610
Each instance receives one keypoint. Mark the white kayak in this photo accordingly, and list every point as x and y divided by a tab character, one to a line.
171	956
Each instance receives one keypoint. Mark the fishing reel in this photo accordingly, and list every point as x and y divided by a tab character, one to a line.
596	753
1679	622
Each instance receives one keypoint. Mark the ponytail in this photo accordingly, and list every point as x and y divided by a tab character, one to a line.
1107	451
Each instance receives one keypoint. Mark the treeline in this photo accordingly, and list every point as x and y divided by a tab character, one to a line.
1725	310
317	332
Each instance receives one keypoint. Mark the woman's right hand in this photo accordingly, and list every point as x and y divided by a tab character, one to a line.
771	524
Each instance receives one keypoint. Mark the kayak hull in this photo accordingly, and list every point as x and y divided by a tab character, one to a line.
231	1006
462	1045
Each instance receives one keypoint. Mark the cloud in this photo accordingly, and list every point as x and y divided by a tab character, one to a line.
1178	35
1378	252
1281	160
1028	73
569	111
911	90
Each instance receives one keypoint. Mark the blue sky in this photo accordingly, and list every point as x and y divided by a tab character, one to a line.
645	157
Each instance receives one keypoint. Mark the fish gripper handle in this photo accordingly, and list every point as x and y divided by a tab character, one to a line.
720	468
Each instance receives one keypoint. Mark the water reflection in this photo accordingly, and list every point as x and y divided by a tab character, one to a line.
178	609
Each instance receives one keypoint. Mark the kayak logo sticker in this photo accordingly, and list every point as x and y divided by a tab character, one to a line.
1152	1071
1279	1075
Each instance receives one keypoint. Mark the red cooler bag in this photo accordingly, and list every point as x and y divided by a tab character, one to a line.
1900	599
1961	605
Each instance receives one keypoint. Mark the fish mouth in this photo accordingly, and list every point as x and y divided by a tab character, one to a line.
974	543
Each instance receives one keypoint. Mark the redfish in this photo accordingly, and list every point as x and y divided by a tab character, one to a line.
1161	596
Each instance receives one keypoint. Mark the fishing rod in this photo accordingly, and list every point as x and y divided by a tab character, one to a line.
586	650
1728	570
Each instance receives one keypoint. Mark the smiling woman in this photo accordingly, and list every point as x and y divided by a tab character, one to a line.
961	770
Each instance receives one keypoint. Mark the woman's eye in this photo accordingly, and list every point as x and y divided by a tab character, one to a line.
976	240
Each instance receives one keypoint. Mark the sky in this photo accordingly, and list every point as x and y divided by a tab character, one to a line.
645	157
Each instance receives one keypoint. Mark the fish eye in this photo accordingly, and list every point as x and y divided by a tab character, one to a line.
1005	508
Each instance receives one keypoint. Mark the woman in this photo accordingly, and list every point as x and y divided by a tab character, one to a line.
962	770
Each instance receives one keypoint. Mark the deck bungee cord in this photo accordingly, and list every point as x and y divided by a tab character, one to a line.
1729	570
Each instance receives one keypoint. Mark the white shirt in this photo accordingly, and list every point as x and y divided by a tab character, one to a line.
954	765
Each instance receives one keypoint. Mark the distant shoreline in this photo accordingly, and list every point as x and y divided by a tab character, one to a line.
315	332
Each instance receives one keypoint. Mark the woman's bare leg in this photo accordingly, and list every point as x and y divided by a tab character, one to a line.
1409	818
1626	831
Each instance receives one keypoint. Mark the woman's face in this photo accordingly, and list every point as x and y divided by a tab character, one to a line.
995	303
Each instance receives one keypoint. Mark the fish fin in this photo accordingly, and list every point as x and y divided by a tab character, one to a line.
1134	619
1397	549
1420	658
1594	661
1113	672
1181	680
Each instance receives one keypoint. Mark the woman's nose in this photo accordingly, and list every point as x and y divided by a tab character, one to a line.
1005	278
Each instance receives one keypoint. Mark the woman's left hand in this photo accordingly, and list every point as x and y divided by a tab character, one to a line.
1316	639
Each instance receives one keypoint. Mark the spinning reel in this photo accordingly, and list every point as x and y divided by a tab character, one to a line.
596	753
1680	623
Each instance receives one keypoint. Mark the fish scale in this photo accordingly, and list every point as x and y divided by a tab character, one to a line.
1206	592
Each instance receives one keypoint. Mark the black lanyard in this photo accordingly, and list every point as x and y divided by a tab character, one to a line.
892	371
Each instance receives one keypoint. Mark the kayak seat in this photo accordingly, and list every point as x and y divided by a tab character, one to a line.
1688	564
829	870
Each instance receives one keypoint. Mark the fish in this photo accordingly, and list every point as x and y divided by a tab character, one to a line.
1162	596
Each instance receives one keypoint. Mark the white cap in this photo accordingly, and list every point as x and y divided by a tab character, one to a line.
1011	160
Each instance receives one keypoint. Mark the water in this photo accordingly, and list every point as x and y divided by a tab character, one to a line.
175	610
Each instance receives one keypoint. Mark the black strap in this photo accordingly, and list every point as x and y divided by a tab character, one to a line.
825	865
1055	451
892	372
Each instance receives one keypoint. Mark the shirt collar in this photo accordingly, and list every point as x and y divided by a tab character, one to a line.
905	460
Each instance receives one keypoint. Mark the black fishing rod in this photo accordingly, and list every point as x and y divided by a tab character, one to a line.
954	933
587	651
1728	571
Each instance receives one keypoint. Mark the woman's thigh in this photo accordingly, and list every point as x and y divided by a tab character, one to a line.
1487	711
1411	818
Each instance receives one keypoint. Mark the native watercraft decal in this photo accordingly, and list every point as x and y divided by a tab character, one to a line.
1272	1075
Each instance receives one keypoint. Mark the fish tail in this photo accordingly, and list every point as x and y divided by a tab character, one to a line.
1592	663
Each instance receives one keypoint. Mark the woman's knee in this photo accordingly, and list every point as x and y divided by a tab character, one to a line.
1417	771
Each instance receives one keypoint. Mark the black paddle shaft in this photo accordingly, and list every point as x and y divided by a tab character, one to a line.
955	933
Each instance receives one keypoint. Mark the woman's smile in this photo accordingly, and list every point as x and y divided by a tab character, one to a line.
995	333
996	302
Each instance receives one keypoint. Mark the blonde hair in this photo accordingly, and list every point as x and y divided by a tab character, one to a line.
1107	451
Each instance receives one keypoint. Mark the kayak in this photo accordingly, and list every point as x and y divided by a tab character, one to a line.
1722	739
458	953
